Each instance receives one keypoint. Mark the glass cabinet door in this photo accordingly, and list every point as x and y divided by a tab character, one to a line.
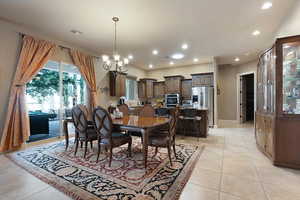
291	78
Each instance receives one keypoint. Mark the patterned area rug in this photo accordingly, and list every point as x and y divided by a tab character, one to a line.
84	179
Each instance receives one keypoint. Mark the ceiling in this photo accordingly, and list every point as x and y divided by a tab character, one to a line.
211	28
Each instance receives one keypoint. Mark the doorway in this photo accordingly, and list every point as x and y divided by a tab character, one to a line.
247	97
50	96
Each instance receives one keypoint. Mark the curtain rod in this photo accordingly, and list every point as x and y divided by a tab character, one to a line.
59	45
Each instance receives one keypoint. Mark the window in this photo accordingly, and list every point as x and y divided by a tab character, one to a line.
131	88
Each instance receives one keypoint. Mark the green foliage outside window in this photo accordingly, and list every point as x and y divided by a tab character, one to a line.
46	83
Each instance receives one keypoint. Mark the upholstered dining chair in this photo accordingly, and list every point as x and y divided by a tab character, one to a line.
166	139
107	136
84	131
124	109
147	111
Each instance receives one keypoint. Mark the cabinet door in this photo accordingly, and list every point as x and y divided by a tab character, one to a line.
260	131
187	89
269	130
159	90
169	85
149	89
120	85
291	78
141	90
177	85
196	81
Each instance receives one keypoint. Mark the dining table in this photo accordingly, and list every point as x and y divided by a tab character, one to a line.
145	125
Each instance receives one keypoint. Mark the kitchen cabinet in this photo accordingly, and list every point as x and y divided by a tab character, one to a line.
159	89
117	84
203	79
277	115
187	88
190	127
145	88
173	84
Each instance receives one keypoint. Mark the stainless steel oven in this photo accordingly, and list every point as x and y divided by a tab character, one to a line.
172	100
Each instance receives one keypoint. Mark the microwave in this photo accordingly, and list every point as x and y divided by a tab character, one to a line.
172	100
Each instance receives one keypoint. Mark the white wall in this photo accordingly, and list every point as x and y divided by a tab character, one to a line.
9	48
291	24
227	100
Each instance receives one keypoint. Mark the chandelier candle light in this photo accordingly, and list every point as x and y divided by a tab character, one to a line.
116	61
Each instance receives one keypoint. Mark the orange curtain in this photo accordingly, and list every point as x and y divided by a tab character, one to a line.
34	54
85	64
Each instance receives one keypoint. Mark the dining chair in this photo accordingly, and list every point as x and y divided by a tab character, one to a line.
107	136
124	109
165	139
84	130
147	111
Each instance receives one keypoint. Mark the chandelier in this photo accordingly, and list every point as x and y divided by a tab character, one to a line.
115	63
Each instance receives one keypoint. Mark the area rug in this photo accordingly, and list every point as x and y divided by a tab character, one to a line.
84	179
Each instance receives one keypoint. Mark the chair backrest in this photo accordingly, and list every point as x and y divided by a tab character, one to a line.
102	123
124	109
79	117
173	122
147	111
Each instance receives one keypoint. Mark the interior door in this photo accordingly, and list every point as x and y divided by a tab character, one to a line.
243	98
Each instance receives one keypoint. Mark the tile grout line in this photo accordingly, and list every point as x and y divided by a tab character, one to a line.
261	183
220	182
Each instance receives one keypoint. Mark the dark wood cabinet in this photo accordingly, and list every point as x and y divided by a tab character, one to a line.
277	117
186	89
117	84
203	79
145	88
159	89
195	128
173	84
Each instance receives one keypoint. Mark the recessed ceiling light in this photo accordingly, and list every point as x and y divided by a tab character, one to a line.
237	59
76	32
150	66
196	60
130	56
177	56
155	52
267	5
171	63
256	33
185	46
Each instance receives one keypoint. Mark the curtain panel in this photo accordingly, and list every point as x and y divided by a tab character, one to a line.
34	54
85	64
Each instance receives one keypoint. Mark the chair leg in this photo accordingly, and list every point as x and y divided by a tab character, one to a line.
129	148
81	144
174	151
76	146
91	144
99	150
85	148
169	153
110	156
156	151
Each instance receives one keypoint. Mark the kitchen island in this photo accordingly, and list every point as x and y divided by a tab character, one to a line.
192	122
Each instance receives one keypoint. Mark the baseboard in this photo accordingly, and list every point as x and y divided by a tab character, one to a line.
221	121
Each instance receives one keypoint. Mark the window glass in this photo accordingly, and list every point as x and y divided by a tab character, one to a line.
131	89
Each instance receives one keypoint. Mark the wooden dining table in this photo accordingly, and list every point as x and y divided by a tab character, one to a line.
145	125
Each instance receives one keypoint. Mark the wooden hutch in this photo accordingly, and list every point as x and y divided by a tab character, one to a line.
277	117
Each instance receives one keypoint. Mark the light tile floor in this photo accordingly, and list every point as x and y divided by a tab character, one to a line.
230	168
